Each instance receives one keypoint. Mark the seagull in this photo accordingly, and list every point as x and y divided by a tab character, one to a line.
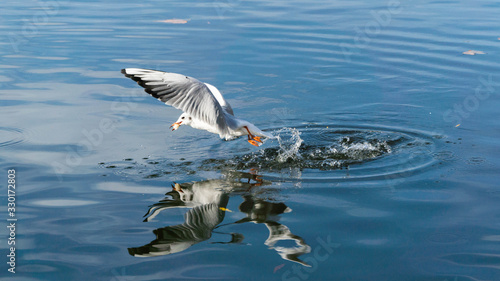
202	104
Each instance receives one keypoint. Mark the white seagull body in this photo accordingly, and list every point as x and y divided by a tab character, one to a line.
203	105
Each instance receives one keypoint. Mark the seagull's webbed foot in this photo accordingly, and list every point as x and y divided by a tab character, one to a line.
253	140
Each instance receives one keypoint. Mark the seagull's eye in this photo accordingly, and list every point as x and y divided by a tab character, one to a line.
182	117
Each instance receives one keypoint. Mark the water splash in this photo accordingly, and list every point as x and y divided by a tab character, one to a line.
364	151
289	146
313	148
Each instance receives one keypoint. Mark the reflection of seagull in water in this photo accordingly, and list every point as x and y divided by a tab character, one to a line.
203	105
279	232
189	195
198	226
206	200
260	211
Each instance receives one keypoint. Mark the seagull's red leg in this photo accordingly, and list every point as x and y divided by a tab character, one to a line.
251	138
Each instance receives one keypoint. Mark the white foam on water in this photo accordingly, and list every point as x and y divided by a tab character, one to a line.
364	150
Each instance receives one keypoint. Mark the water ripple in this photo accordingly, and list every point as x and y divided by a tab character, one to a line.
326	153
11	136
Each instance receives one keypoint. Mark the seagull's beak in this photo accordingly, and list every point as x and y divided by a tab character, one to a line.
176	125
177	187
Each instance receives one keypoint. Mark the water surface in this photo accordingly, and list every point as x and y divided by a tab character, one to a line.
386	167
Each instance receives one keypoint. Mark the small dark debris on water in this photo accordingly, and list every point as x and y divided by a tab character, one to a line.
152	176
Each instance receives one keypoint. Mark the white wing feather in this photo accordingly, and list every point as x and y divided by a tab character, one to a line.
185	93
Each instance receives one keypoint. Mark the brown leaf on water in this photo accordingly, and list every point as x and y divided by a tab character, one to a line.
472	52
278	267
173	21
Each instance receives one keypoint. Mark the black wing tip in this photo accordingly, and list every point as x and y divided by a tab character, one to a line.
140	82
148	89
124	72
131	76
152	93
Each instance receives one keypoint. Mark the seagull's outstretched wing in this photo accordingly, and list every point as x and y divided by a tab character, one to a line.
227	107
184	93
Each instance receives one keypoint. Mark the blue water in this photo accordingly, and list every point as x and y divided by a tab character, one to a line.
386	168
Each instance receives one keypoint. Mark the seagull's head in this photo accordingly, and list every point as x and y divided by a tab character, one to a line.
184	119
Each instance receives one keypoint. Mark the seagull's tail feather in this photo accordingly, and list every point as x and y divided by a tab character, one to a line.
267	135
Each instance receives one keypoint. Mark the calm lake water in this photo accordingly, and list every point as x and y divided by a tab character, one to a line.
387	166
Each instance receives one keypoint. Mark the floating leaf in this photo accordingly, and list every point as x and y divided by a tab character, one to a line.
472	52
174	21
278	267
225	210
